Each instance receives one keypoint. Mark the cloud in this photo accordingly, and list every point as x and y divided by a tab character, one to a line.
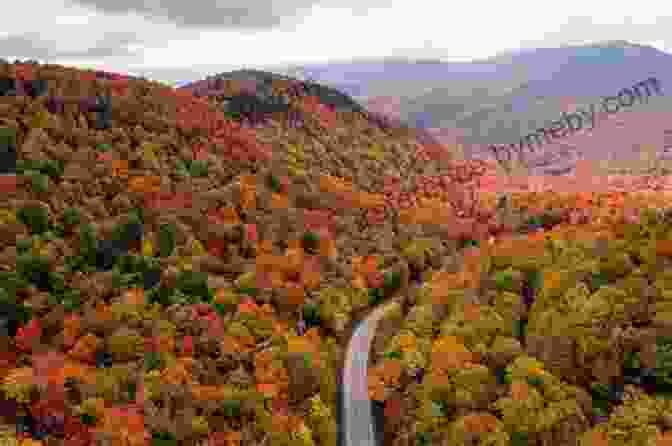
234	15
32	46
221	14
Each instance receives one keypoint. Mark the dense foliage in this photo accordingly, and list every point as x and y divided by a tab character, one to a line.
169	274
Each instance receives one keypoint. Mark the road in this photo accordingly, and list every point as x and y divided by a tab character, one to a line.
356	427
357	417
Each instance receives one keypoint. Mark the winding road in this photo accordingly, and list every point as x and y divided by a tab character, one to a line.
357	417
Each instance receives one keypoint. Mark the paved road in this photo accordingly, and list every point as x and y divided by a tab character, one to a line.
357	418
355	412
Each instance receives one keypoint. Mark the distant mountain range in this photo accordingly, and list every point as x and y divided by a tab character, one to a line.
499	99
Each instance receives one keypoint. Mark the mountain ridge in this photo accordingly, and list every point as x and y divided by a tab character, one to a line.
499	99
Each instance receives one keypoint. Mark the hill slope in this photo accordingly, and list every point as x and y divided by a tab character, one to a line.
268	87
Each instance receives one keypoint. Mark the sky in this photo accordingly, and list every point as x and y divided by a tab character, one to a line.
175	40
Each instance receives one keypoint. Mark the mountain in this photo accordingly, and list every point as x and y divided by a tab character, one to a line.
260	82
559	80
398	77
499	99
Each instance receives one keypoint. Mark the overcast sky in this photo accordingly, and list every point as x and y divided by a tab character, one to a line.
177	40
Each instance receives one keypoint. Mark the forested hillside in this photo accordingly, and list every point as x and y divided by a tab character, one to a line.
175	273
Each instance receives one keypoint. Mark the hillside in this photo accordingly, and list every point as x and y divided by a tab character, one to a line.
266	93
170	275
175	267
556	338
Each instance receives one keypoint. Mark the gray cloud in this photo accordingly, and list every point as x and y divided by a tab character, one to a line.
220	14
31	46
238	15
